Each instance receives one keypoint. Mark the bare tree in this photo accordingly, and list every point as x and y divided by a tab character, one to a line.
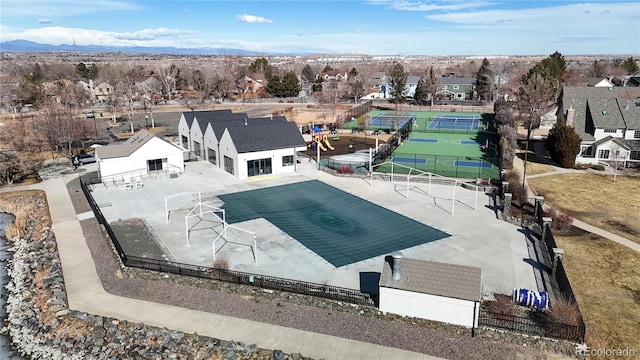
168	76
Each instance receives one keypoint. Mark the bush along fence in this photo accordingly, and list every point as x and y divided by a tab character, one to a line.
263	281
537	323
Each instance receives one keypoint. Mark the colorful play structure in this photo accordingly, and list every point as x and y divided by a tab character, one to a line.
324	144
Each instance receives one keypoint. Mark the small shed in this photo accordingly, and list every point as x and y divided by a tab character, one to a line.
430	290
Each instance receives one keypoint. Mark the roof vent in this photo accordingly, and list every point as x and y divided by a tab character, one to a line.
396	270
245	122
605	112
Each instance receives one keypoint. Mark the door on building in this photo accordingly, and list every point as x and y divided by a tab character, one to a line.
259	167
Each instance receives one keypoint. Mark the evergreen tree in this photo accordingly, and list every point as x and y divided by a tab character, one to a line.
307	73
630	66
290	85
397	83
564	144
421	96
484	81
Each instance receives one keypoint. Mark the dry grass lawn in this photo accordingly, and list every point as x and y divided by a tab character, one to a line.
605	278
535	165
595	199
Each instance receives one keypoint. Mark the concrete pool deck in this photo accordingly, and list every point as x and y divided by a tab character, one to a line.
478	238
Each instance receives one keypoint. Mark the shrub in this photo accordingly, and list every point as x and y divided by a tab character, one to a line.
564	311
560	221
503	305
345	170
222	262
597	167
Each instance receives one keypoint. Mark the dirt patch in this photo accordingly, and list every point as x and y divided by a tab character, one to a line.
136	238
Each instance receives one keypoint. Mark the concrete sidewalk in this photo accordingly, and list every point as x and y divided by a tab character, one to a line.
86	294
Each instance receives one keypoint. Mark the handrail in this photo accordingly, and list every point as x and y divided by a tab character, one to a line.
120	176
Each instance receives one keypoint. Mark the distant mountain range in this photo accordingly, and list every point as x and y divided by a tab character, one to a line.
30	46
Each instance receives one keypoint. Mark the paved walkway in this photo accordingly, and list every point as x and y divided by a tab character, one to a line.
541	153
85	294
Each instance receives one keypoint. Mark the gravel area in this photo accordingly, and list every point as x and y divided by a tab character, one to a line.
438	341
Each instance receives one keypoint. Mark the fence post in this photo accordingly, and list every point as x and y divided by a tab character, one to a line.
538	208
506	208
546	225
557	256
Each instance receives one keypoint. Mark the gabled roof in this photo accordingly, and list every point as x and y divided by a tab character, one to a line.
203	115
449	80
266	135
606	114
435	278
126	148
579	106
630	109
596	81
413	79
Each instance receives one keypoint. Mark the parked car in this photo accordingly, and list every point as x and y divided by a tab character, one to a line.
85	158
90	114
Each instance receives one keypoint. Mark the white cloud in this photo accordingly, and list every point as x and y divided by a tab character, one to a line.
450	5
21	8
45	21
61	35
253	19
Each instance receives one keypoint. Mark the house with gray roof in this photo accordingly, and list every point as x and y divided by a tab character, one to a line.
608	121
456	89
139	157
242	146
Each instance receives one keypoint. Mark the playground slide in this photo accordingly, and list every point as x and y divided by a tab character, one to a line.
319	143
326	142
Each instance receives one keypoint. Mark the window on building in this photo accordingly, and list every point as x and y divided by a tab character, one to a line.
228	164
635	155
155	164
636	134
586	151
611	130
287	160
603	154
211	155
185	142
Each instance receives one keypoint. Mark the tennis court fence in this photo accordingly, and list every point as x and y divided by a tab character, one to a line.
444	165
355	112
236	277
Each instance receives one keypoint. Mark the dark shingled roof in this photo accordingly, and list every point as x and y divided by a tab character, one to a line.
435	278
265	135
190	115
602	107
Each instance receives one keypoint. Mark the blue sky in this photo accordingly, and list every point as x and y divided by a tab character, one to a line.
374	27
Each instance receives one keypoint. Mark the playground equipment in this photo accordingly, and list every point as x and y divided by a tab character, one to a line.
319	143
325	141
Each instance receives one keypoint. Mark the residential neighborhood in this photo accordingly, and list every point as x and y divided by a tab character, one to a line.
319	180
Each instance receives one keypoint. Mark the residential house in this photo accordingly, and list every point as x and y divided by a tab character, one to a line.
139	157
608	121
242	146
101	92
456	89
248	86
599	82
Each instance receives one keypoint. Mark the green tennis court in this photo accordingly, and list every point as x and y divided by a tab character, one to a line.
339	227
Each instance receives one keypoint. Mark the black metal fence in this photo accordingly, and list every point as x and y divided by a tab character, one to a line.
536	325
236	277
355	112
